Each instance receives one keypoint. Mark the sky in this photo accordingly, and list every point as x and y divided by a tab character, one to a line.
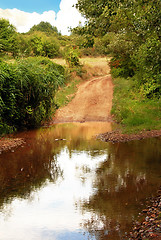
24	14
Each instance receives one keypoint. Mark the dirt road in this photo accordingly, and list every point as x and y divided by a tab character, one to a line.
92	102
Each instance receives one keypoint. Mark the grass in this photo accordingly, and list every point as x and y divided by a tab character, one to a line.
95	66
66	94
134	112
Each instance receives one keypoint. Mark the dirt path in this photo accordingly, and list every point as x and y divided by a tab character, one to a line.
92	102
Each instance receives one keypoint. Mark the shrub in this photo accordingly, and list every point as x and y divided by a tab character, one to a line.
41	45
122	67
72	57
27	89
148	72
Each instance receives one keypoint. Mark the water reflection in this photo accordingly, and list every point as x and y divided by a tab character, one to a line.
130	174
66	185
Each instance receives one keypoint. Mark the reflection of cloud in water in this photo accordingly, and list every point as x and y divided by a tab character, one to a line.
75	184
54	207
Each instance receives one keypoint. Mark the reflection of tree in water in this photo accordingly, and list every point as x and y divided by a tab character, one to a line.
27	170
121	183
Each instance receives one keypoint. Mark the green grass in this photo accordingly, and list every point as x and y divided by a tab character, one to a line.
66	94
132	111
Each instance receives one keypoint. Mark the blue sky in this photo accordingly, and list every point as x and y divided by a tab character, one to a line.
30	6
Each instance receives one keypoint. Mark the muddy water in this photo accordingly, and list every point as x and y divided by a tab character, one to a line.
65	185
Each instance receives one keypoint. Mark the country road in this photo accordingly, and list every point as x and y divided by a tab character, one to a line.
92	102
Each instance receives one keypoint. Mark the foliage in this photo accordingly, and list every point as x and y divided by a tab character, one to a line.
71	56
148	67
7	37
44	27
66	94
89	52
41	45
132	110
134	28
23	46
41	40
82	41
141	17
101	44
27	89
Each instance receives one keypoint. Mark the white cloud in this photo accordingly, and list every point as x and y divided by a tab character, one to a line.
68	16
23	21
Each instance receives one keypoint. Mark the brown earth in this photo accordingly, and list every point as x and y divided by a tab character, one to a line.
117	136
148	225
92	102
10	143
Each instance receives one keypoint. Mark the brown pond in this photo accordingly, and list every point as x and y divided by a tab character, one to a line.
65	185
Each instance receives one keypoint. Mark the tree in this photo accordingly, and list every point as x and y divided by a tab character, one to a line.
141	16
44	27
98	14
42	45
7	37
137	35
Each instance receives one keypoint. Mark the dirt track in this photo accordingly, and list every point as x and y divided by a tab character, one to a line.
92	102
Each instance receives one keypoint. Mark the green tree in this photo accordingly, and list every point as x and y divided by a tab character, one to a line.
7	37
136	35
71	56
44	27
41	45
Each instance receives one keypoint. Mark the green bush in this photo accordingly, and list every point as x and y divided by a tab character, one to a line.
122	67
27	89
148	67
44	46
101	44
72	57
8	35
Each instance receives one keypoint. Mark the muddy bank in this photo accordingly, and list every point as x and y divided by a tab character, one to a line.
149	224
9	144
117	136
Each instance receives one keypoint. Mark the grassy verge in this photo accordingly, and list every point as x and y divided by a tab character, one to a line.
134	112
66	94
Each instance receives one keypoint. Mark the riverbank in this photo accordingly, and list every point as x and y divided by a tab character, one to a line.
135	112
9	144
117	136
148	225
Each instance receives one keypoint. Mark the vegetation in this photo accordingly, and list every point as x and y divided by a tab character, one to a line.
41	40
27	89
72	57
44	27
7	37
130	31
127	30
66	94
133	110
